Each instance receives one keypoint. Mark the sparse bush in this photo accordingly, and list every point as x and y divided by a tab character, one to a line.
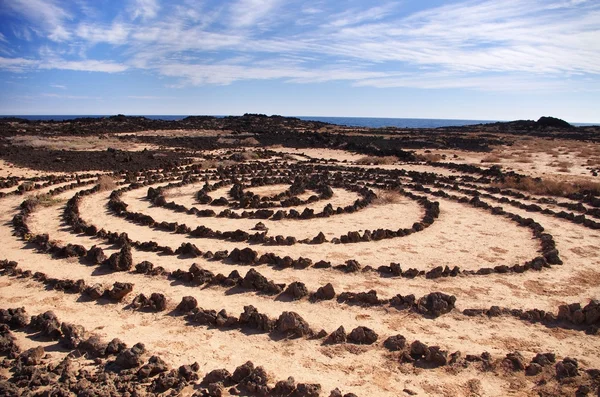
433	157
548	186
45	200
386	197
249	142
288	157
524	159
106	182
246	155
212	163
491	158
377	160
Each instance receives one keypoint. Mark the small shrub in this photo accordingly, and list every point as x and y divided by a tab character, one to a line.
433	157
106	182
524	159
244	156
491	158
45	200
249	142
387	197
548	186
377	160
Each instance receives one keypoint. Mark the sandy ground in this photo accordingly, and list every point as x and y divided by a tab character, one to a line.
462	235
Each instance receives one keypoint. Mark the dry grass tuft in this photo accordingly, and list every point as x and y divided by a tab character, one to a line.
249	142
491	158
563	166
212	163
45	200
386	197
377	160
246	155
526	159
106	182
549	186
433	157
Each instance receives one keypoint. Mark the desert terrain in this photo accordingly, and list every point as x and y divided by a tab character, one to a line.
269	256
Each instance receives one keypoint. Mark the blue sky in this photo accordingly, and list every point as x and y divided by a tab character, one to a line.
494	60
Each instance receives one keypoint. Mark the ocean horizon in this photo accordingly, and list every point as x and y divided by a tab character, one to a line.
368	122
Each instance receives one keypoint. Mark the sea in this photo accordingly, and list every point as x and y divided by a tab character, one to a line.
370	122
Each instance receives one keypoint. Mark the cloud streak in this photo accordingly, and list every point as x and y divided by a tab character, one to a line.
474	44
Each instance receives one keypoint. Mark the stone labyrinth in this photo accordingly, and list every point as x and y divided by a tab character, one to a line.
288	277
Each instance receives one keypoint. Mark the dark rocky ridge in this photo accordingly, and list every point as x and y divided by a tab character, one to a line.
267	130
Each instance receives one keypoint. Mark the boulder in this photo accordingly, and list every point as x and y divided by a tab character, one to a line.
362	336
131	358
296	290
395	343
188	303
324	293
337	336
290	323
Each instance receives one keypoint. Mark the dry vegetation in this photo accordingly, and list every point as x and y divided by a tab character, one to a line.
549	186
433	157
491	158
377	160
386	197
106	182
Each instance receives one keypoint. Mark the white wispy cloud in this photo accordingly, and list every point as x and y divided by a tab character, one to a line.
59	86
144	9
474	44
59	96
45	13
357	16
117	33
245	13
149	97
84	66
17	65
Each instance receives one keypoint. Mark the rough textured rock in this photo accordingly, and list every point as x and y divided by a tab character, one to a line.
120	290
291	323
131	358
72	335
435	304
188	303
337	336
395	343
362	336
324	293
296	290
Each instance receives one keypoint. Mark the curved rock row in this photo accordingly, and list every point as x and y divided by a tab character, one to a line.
397	215
322	364
435	249
325	366
357	315
495	334
574	212
47	220
184	292
186	196
576	281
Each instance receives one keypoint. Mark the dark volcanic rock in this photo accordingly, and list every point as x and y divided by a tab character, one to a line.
395	343
296	290
435	304
291	323
337	336
324	293
362	336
